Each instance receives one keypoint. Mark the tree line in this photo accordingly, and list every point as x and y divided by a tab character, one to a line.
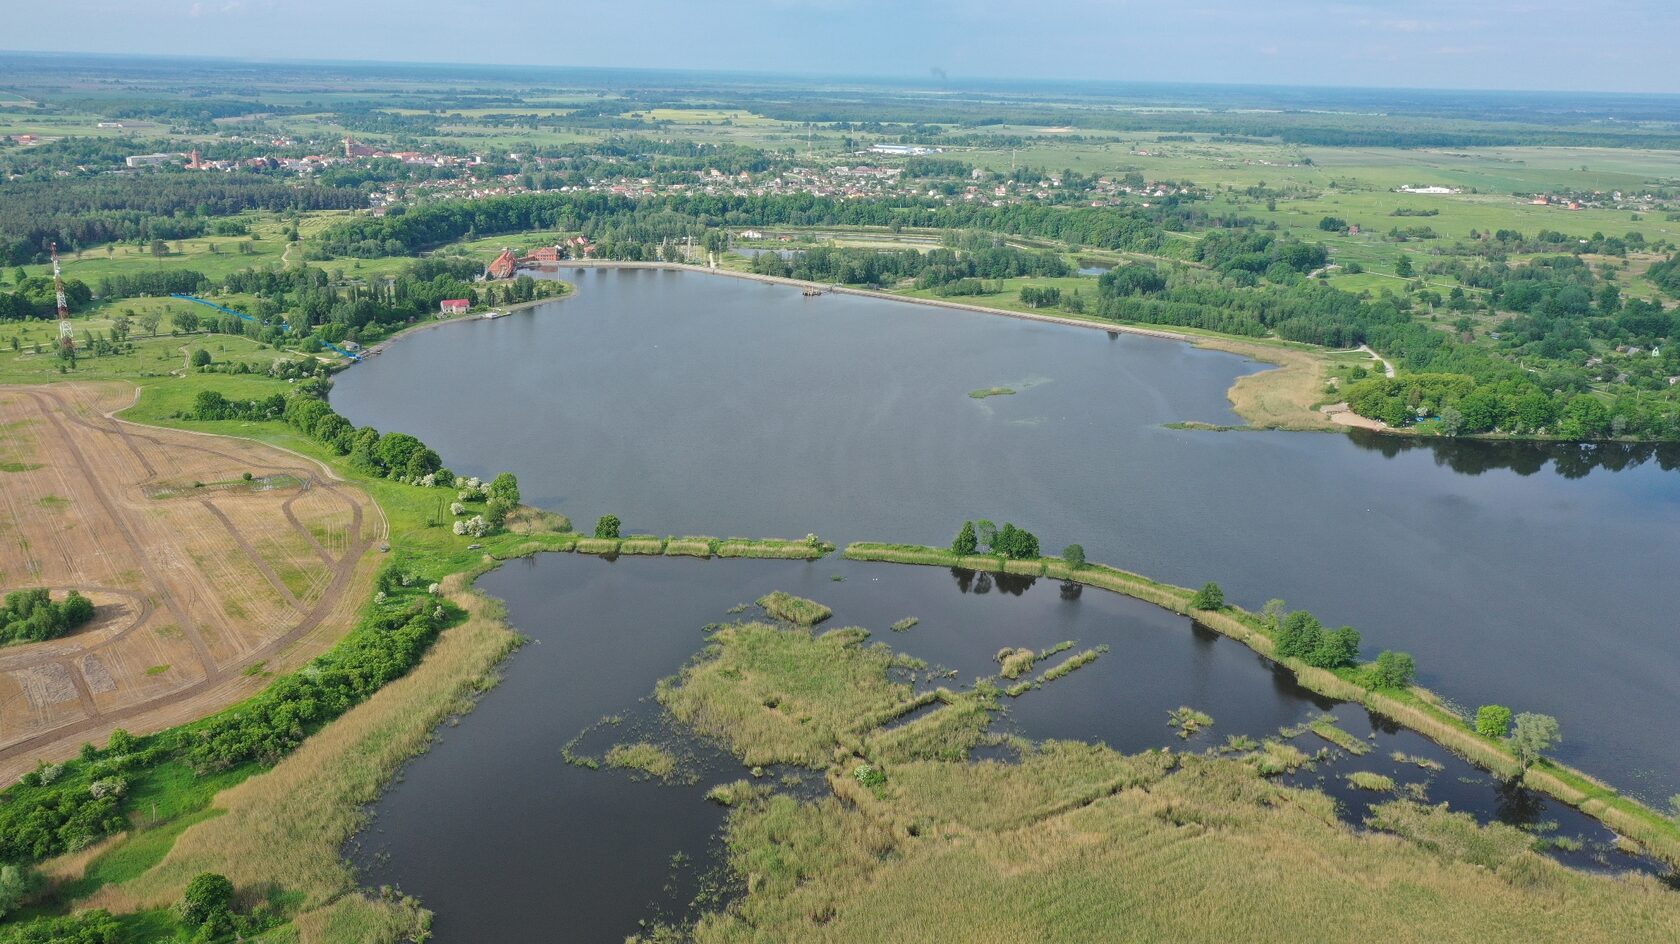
81	212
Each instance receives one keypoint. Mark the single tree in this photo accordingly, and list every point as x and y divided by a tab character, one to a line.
1298	635
607	526
1533	735
201	358
1074	555
1452	421
208	898
1210	597
966	541
1493	721
986	533
16	882
506	488
1403	268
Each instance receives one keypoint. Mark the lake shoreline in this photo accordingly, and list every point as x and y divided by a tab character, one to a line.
1416	709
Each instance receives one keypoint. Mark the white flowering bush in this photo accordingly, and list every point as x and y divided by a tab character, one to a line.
110	786
434	588
457	509
460	527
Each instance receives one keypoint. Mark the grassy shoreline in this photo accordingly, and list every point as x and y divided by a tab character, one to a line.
1414	708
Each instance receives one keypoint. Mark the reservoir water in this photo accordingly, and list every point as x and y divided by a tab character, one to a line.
1542	578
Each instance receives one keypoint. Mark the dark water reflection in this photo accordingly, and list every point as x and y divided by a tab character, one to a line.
702	405
505	841
1569	460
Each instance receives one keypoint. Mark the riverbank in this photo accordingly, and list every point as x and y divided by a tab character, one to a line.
380	347
1413	707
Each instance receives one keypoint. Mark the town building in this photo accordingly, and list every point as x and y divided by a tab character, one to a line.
454	306
504	265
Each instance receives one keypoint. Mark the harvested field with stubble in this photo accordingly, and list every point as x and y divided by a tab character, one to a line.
205	582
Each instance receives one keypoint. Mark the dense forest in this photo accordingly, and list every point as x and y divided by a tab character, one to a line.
84	212
981	258
1667	275
658	219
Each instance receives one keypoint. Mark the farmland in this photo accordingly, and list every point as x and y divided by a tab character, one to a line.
213	564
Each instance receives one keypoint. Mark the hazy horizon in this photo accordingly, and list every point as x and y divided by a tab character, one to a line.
1502	45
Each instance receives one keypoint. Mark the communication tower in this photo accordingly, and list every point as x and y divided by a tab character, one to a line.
66	334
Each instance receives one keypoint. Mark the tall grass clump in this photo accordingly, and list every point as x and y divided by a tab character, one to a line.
786	606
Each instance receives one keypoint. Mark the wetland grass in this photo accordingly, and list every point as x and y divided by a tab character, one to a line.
786	606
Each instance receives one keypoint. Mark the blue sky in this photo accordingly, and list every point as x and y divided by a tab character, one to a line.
1610	45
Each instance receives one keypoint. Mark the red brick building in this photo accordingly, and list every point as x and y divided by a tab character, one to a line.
504	266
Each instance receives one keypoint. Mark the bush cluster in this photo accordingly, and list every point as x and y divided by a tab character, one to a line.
1301	636
1009	541
31	615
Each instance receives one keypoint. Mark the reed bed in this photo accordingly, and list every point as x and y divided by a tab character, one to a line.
786	606
1326	729
1415	708
285	829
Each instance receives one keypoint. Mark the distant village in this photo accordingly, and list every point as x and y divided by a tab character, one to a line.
862	179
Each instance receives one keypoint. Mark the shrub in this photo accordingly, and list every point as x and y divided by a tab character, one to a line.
1074	555
505	488
1493	721
201	358
208	900
870	776
1337	649
87	927
1298	634
120	742
1393	670
607	526
16	882
1210	597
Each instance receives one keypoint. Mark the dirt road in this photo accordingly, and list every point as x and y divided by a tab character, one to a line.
205	582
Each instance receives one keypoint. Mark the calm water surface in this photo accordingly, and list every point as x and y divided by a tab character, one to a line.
684	403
